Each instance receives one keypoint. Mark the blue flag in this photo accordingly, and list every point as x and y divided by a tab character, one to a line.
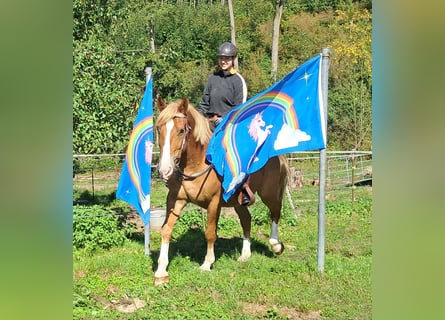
135	179
285	118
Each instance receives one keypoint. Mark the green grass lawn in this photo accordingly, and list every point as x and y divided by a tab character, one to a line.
118	283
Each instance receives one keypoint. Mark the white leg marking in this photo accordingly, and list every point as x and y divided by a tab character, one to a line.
208	260
162	261
245	252
277	246
274	231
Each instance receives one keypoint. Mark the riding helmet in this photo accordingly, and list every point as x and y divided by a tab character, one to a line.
227	49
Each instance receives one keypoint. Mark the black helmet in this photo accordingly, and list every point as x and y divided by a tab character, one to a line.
227	49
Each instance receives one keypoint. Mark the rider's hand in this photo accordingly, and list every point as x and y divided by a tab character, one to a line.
217	121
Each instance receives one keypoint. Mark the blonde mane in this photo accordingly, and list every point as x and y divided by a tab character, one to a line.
198	123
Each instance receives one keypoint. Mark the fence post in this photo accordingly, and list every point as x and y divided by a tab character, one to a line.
92	181
353	177
322	174
147	226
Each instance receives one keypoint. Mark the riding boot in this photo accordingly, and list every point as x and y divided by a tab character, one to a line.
245	200
246	197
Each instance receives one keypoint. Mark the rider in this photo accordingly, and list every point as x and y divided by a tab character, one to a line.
225	89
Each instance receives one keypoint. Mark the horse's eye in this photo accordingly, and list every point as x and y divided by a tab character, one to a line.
181	132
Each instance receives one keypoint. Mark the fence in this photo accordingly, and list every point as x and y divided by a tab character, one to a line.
345	171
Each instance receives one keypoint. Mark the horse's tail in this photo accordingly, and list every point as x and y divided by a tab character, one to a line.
284	167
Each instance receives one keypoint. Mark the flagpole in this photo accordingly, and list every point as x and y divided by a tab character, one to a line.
321	193
147	226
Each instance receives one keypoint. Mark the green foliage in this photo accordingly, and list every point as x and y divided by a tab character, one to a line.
350	116
347	207
97	228
106	97
190	219
268	287
98	164
350	112
111	40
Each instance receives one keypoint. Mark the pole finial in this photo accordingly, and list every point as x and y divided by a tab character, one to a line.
325	52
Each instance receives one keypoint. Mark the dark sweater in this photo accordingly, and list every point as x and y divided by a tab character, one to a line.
222	93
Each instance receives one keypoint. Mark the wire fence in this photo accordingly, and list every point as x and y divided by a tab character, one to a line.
346	170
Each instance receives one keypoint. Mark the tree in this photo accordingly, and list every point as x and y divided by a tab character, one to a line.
350	102
113	45
232	29
275	37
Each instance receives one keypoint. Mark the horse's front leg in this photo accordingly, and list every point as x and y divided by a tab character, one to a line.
213	212
161	274
246	223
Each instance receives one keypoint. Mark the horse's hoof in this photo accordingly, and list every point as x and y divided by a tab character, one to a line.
243	258
204	267
281	249
278	248
161	280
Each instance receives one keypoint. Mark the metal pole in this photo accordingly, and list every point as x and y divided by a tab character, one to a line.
321	193
92	182
147	239
353	177
147	226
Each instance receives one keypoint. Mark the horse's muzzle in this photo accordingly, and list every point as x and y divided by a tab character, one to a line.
165	171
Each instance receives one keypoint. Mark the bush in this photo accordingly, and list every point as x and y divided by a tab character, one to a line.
98	228
347	207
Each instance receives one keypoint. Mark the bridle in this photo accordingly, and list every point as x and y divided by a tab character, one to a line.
176	160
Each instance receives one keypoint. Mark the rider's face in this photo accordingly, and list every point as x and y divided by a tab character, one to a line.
225	63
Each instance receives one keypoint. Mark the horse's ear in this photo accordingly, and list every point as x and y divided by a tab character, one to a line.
160	103
183	106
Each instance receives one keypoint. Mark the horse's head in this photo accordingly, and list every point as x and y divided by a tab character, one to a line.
172	128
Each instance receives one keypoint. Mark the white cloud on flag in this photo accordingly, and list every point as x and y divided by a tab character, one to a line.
288	137
236	181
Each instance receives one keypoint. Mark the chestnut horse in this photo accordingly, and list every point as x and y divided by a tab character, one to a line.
183	137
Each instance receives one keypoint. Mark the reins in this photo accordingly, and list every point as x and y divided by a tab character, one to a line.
195	175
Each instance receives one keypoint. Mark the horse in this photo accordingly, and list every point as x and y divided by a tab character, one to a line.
183	137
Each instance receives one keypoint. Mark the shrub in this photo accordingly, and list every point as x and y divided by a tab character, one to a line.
96	227
347	207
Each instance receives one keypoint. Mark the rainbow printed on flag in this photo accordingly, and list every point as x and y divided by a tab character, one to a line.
135	179
285	118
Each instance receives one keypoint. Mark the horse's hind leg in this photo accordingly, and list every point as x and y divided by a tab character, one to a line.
276	244
275	215
273	198
246	223
274	204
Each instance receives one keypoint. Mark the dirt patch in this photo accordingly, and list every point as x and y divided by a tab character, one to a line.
124	305
258	310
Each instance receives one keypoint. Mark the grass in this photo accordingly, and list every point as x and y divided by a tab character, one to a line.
267	286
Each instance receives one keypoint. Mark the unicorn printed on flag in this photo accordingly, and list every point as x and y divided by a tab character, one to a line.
255	131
